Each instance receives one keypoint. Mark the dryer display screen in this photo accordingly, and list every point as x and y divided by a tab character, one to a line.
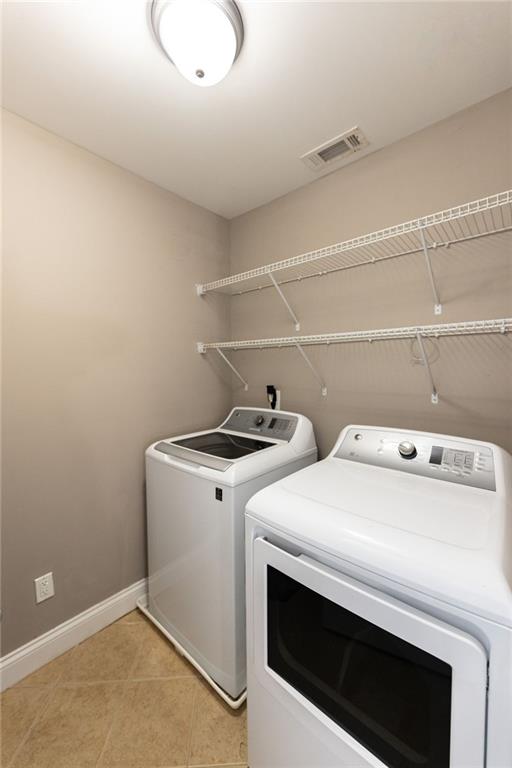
449	457
436	454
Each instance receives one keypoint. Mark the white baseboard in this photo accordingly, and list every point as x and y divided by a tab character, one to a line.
35	654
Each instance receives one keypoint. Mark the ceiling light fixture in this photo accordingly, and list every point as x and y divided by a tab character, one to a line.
202	38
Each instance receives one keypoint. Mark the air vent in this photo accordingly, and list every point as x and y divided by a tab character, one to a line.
336	150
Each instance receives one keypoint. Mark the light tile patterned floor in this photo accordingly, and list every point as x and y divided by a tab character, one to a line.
121	699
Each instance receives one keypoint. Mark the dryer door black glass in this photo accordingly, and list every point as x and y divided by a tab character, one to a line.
394	698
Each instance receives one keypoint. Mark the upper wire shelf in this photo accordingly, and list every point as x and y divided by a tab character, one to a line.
487	216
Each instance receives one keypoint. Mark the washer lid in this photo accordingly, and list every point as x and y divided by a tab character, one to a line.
224	445
193	457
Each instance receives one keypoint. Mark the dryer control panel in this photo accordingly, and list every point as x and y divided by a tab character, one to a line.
273	424
443	458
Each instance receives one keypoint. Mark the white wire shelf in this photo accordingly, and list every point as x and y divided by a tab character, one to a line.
436	330
418	332
480	218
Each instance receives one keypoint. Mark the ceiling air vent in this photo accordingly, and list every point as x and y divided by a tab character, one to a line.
336	150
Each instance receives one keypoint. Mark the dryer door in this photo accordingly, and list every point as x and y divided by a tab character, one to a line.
397	687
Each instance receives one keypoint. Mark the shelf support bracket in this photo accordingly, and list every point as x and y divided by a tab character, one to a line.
313	369
230	365
438	307
285	301
434	397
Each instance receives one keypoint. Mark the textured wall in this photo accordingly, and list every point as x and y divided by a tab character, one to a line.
463	158
100	323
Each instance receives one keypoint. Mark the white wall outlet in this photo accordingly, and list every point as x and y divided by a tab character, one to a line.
278	399
44	587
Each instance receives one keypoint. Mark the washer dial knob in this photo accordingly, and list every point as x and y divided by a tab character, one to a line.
407	450
259	420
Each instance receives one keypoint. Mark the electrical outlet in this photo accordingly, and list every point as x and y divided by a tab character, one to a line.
44	587
274	397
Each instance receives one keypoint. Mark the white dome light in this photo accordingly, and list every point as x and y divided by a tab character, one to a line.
202	38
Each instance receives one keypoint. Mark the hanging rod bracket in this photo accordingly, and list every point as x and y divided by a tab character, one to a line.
323	386
230	365
434	397
438	307
285	301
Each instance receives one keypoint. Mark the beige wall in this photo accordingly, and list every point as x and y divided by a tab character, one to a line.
463	158
100	322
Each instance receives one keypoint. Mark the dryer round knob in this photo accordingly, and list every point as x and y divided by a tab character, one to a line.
407	450
259	420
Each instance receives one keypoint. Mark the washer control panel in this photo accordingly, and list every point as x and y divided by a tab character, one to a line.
452	460
276	424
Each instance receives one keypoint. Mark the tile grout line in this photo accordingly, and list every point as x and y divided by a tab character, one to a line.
107	737
123	686
220	765
192	723
71	683
50	691
130	675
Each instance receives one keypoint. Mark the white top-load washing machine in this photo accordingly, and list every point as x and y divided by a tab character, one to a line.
197	488
379	599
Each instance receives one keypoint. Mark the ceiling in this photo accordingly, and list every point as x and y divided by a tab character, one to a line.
89	71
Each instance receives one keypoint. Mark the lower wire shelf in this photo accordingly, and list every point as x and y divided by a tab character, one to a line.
418	332
435	330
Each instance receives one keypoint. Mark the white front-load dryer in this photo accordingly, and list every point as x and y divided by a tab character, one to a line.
197	488
379	607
